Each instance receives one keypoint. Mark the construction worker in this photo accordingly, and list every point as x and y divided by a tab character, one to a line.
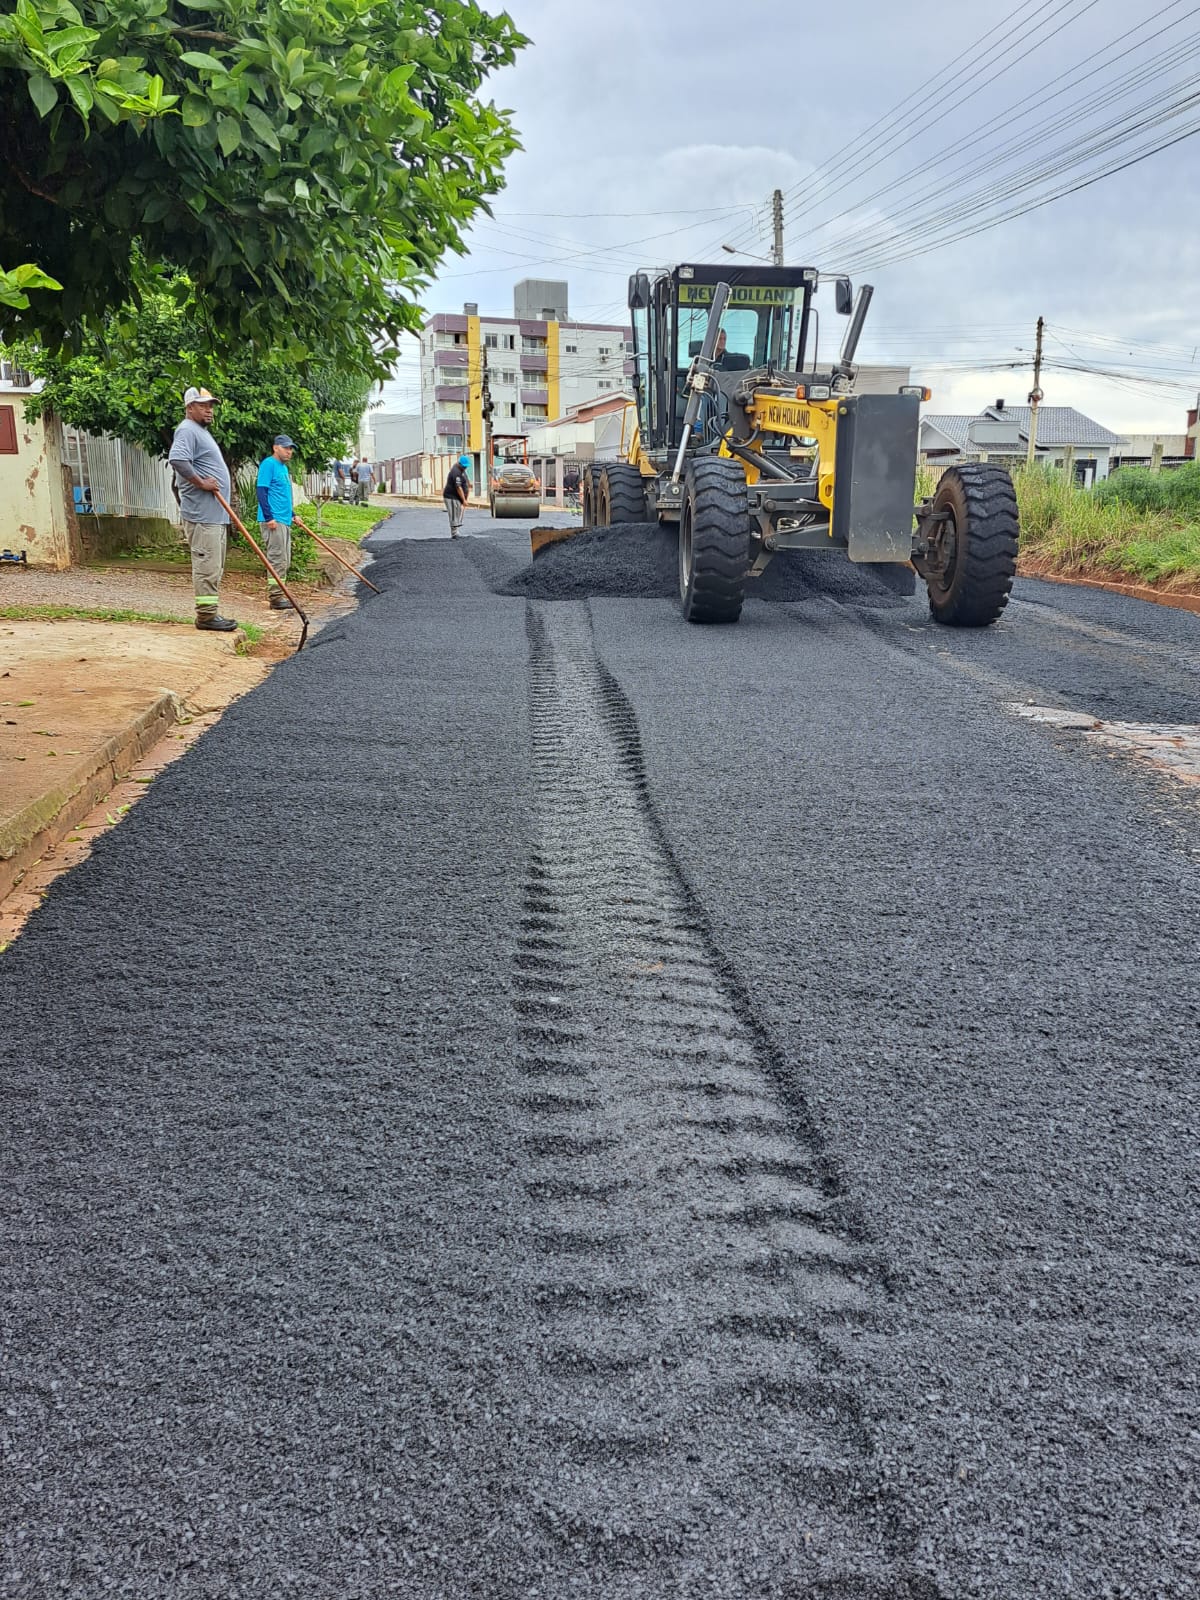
275	515
458	487
200	475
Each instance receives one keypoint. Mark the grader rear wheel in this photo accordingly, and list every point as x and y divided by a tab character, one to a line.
622	493
714	541
587	497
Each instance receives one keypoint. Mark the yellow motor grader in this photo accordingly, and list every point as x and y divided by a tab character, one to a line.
754	449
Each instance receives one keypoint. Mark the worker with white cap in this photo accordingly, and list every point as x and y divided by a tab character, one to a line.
200	475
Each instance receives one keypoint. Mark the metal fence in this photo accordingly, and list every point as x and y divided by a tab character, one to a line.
113	479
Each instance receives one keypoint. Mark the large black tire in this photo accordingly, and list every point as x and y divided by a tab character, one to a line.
587	497
714	540
621	495
970	585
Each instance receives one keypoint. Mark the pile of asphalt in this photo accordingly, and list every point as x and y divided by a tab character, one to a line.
639	560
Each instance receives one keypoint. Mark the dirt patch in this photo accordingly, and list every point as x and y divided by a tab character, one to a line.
639	560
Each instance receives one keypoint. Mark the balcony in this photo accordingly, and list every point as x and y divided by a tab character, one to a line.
535	397
452	357
452	391
535	361
447	425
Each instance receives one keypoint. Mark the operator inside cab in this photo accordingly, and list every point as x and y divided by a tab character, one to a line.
725	360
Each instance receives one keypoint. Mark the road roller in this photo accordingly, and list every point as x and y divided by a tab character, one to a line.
515	491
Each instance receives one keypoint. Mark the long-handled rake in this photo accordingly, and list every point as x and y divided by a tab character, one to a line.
336	554
262	556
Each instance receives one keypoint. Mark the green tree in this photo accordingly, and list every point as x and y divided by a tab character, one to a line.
306	163
128	380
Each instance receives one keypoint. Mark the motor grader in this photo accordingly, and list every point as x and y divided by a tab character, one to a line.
744	439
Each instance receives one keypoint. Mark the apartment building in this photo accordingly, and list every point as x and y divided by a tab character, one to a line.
536	368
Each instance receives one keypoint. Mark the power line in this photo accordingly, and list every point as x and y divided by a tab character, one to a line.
885	258
871	235
1026	32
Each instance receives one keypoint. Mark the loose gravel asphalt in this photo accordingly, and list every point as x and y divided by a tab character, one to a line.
687	1113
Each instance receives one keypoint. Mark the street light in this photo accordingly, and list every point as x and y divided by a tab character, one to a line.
733	252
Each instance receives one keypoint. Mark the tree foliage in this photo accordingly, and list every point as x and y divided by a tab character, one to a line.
305	162
129	379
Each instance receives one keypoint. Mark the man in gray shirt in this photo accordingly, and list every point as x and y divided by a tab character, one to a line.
200	474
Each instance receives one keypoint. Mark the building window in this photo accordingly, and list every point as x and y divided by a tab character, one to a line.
531	344
510	409
510	341
491	341
571	349
604	350
605	384
508	377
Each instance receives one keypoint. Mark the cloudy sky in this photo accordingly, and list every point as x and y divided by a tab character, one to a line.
654	133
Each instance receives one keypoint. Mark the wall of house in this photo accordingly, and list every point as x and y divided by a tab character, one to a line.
35	504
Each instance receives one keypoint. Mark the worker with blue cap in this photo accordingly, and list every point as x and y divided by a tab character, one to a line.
458	488
275	515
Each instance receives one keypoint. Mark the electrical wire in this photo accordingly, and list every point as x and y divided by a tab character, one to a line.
1027	138
1026	34
1035	204
1074	153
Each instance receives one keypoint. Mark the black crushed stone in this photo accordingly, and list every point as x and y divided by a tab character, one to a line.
639	561
266	1171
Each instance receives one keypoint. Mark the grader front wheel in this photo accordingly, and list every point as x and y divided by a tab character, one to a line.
972	554
714	541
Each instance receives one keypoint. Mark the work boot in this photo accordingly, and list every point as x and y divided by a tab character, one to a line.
209	621
278	601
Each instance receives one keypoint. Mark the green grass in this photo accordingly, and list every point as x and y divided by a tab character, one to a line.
254	631
333	520
1137	523
82	614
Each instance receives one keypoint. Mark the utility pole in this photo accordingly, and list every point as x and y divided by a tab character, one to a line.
1035	394
777	219
486	396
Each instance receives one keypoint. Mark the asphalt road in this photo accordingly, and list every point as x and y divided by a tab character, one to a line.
683	1112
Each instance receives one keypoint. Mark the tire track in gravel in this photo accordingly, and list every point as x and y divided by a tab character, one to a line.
694	1268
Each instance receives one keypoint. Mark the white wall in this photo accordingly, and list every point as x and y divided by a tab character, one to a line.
33	488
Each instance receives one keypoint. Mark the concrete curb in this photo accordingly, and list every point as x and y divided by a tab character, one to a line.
29	833
1178	600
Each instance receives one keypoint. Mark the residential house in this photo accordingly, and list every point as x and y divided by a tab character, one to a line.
1066	439
1152	450
36	519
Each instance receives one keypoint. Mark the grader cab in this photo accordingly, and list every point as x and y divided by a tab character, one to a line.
754	448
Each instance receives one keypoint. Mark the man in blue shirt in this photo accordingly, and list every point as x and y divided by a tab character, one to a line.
275	515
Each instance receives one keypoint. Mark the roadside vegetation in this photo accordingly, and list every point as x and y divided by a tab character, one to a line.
1137	525
30	613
